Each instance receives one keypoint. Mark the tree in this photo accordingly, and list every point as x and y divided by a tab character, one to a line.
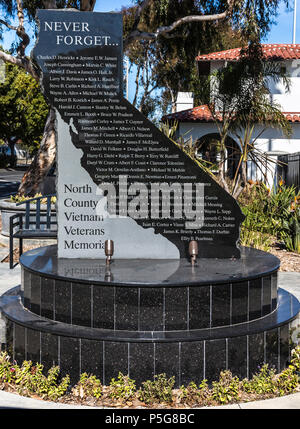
168	62
23	110
45	156
252	16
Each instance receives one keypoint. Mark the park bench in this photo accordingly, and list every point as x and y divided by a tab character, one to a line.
34	223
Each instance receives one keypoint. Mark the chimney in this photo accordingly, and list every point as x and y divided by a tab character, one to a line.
185	100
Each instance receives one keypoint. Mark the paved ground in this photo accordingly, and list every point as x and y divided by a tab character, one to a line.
11	278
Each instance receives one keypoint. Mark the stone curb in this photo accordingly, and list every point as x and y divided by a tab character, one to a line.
11	400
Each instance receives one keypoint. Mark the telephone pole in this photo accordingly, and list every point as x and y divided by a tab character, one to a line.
295	20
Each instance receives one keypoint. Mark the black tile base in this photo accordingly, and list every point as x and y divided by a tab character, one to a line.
188	356
189	361
188	324
218	293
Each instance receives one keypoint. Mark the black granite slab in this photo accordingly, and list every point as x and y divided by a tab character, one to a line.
192	361
80	57
146	308
144	354
157	298
49	347
215	358
237	352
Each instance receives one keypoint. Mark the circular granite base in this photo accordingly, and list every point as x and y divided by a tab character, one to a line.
150	295
149	317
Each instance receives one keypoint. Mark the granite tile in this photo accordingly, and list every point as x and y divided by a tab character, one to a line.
33	346
35	298
8	338
103	307
141	362
69	363
284	346
62	303
167	360
272	348
239	302
215	359
267	295
81	304
192	362
115	360
199	307
26	288
237	356
176	308
47	298
126	308
91	357
49	350
274	288
151	317
220	311
255	299
256	353
19	343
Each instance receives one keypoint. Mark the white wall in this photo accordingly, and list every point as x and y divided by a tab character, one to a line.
289	101
195	130
272	141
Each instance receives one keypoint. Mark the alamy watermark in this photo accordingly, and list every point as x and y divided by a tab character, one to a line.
153	201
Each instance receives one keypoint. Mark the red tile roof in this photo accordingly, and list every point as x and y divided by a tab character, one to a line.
292	116
270	51
202	114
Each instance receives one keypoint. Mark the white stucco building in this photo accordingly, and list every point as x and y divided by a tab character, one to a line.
197	123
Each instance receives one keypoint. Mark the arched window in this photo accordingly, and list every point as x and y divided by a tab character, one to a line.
208	150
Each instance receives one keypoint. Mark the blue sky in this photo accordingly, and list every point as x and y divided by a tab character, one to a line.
111	5
281	32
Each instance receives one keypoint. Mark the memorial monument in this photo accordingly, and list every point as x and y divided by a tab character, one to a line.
147	276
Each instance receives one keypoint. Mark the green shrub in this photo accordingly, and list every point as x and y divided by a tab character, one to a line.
192	394
29	379
122	388
158	390
7	370
295	358
258	240
227	389
262	382
291	236
21	198
269	216
286	382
